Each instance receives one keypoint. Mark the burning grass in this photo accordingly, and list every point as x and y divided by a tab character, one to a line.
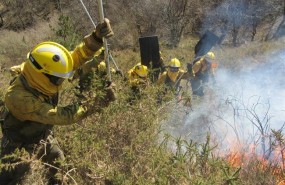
255	169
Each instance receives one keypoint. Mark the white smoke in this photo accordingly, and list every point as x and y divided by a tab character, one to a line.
242	108
255	96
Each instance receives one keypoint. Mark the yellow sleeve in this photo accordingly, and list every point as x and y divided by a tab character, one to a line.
85	51
133	79
88	66
25	106
196	67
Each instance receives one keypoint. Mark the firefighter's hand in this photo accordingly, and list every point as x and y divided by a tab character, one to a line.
103	29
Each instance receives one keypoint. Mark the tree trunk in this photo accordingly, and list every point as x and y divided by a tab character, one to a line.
174	37
1	21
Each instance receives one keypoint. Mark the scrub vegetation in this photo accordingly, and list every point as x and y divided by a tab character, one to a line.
127	143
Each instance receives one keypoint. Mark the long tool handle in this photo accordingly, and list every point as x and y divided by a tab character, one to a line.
101	16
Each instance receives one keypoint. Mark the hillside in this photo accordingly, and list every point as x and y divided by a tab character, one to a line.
232	135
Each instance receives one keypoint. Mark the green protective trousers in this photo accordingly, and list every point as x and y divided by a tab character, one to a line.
13	169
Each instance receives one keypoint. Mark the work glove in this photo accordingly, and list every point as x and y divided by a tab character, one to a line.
103	29
94	41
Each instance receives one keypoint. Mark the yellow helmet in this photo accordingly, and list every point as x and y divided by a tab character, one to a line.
141	70
51	58
210	55
102	66
174	63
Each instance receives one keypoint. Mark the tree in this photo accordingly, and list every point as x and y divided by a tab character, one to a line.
259	12
169	19
178	14
240	19
147	16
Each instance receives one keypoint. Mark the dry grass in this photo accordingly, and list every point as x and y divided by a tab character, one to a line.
15	45
248	55
125	143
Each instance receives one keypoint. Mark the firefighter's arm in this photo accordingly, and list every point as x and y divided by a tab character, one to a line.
196	67
131	77
87	67
134	81
91	43
85	51
29	107
186	75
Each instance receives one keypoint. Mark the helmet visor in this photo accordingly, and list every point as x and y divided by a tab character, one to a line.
174	69
54	79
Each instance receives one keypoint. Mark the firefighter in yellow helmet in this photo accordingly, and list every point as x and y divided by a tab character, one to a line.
171	78
203	70
173	74
138	75
31	104
138	79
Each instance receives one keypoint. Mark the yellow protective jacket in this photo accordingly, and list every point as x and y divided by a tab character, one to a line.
89	66
173	79
202	67
31	113
134	79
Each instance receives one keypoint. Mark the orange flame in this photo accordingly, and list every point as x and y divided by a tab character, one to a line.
235	159
239	158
